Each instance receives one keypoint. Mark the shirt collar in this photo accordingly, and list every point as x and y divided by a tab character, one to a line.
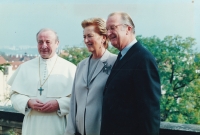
52	59
125	50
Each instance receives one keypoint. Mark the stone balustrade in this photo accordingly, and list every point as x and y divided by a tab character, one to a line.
11	121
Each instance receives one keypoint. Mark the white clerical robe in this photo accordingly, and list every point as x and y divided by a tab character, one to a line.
25	83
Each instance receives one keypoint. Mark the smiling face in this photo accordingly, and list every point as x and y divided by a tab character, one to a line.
47	44
93	40
116	31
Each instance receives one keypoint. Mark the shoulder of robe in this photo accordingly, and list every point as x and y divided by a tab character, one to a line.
31	63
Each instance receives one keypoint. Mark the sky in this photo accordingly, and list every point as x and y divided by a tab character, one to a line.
20	20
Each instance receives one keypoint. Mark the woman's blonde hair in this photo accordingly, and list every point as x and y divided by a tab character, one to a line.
100	27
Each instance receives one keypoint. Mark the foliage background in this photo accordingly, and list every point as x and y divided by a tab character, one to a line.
178	64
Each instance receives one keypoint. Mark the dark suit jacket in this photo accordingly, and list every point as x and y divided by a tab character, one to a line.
131	102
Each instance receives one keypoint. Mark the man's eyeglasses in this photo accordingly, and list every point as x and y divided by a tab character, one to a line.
113	27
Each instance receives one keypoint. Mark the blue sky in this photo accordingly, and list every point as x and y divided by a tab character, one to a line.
20	20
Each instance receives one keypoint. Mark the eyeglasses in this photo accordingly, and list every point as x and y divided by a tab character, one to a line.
113	27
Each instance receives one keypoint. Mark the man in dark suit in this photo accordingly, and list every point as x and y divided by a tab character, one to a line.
131	102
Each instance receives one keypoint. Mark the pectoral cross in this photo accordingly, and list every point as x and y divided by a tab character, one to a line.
40	89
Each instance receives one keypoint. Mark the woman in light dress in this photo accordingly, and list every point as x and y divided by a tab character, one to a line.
90	79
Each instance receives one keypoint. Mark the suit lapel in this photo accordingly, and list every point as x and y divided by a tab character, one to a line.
85	69
123	61
97	70
100	65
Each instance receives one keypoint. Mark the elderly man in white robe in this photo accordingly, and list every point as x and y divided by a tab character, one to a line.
41	88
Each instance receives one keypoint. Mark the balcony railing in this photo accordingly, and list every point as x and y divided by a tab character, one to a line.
11	121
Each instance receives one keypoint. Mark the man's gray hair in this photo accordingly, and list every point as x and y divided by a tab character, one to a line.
125	18
47	29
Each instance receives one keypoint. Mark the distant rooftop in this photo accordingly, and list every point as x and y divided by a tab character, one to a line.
2	60
15	60
15	64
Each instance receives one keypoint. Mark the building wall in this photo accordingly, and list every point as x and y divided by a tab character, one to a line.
4	88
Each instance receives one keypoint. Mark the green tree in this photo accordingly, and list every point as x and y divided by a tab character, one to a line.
75	54
177	63
113	49
2	66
